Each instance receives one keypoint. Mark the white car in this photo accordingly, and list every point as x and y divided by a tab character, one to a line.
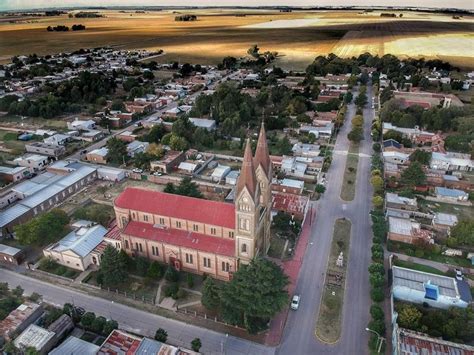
458	275
295	302
138	171
157	173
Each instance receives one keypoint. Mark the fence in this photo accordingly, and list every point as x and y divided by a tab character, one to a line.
214	319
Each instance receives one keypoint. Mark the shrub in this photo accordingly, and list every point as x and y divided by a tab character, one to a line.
171	290
190	280
196	344
376	147
109	326
171	274
87	320
98	325
320	188
376	294
376	268
161	335
419	253
377	312
378	326
180	294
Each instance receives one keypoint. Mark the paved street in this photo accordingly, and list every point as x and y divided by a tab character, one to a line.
137	321
299	335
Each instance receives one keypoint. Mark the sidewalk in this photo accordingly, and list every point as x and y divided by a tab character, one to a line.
291	268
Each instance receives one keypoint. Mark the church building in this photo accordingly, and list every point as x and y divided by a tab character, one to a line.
197	235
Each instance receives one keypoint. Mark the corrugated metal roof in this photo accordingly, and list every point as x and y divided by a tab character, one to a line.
28	188
76	176
8	250
416	280
34	336
81	241
449	192
11	214
41	196
148	347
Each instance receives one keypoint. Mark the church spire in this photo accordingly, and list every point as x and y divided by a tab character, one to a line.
262	156
247	176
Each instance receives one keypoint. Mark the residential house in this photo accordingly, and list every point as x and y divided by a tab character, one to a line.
98	156
397	202
207	124
19	319
451	195
74	250
81	125
170	161
58	139
232	177
34	162
51	150
127	136
10	255
138	107
407	231
451	161
444	222
288	186
92	135
395	157
40	339
295	205
306	150
391	145
435	290
15	174
75	346
187	167
136	147
220	172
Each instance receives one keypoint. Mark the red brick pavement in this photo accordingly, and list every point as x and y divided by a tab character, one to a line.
291	268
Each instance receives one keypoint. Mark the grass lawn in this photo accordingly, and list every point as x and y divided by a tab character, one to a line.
60	270
35	121
463	212
134	286
277	245
350	173
328	325
409	250
419	267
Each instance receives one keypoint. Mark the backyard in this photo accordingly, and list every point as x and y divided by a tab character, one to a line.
49	265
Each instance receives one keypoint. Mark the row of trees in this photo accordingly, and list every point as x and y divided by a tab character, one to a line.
63	28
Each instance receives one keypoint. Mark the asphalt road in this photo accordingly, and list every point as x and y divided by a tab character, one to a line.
135	320
298	337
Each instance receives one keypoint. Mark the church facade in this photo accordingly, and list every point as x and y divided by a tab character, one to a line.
197	235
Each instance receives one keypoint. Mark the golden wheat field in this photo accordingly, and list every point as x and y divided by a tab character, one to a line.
298	36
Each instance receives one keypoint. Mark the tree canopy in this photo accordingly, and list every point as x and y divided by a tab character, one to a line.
112	267
413	175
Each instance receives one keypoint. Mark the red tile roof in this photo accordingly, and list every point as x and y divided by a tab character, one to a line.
113	232
290	203
189	208
181	238
120	343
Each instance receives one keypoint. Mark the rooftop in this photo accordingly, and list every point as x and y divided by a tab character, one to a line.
445	219
119	343
73	345
8	250
188	208
181	238
17	317
416	280
413	343
35	337
80	241
402	226
395	198
443	191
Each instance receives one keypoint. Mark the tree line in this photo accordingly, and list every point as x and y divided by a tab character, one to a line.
63	28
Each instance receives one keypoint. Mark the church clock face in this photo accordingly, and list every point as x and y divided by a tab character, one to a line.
245	200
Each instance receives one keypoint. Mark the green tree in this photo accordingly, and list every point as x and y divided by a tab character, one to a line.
196	344
355	135
254	51
155	271
161	335
284	146
413	175
98	325
177	143
361	100
320	188
464	233
376	294
185	188
171	274
109	327
377	201
377	183
112	267
117	151
421	156
44	229
377	312
409	317
255	294
210	294
87	320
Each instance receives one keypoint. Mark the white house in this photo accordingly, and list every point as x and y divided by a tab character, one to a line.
231	177
80	125
33	161
75	249
451	161
435	290
220	173
395	157
57	139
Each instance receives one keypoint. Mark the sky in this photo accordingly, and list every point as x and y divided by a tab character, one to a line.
31	4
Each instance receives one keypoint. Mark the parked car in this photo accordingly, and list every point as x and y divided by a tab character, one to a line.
295	302
157	173
138	171
458	275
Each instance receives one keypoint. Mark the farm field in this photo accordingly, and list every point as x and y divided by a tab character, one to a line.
298	36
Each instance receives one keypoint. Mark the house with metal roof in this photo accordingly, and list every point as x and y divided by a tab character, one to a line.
35	337
73	345
444	221
205	123
435	290
451	195
220	173
10	255
75	249
451	161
